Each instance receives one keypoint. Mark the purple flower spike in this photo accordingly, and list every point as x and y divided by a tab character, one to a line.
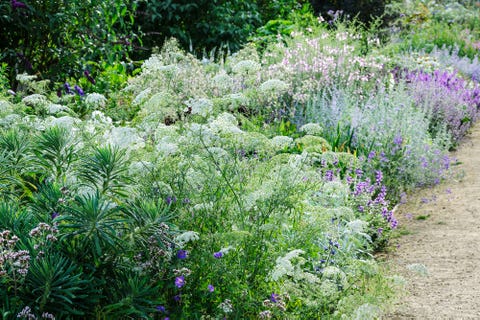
210	288
89	77
218	255
18	4
179	281
67	87
54	215
79	91
160	308
182	254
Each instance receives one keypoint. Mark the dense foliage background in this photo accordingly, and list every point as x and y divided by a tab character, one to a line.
247	168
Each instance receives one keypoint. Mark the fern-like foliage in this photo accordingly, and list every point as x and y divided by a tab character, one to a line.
105	171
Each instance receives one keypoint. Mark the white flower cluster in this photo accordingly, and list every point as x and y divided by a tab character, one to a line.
96	100
167	148
274	86
5	107
189	236
142	96
222	81
313	129
66	122
54	108
125	138
225	123
139	167
284	265
246	67
25	78
282	142
35	100
201	106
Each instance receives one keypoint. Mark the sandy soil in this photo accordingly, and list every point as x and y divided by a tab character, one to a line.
440	255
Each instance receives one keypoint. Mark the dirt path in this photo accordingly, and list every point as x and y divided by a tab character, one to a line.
440	257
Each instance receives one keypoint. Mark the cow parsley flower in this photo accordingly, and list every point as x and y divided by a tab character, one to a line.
141	97
202	106
313	129
186	237
284	265
96	100
245	67
54	108
274	86
282	142
125	137
35	100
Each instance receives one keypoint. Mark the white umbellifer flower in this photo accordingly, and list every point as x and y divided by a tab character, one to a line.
282	142
35	100
203	206
226	306
274	86
167	148
357	226
142	96
201	106
10	119
66	122
125	137
5	107
54	108
200	133
225	123
222	81
24	78
96	100
245	67
313	129
284	266
152	63
185	238
235	100
307	276
335	274
100	119
139	167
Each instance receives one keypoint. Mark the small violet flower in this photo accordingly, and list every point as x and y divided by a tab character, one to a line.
182	254
160	308
218	254
274	297
210	288
179	281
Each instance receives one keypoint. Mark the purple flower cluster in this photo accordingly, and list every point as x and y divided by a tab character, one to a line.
447	98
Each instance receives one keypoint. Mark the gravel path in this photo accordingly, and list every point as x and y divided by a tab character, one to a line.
440	255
